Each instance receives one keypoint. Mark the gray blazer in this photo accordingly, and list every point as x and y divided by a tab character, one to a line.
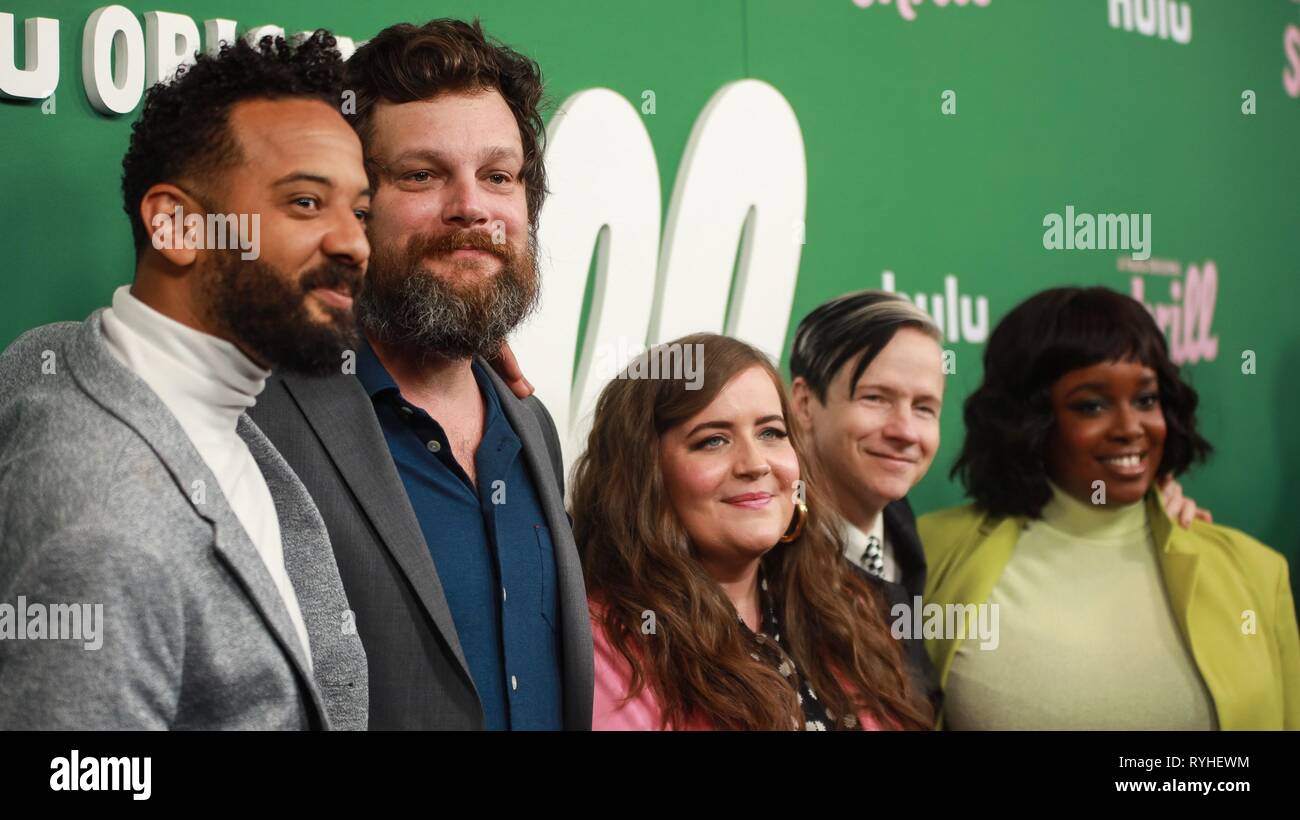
104	500
327	430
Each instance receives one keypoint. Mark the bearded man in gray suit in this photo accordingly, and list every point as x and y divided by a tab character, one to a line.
161	566
442	490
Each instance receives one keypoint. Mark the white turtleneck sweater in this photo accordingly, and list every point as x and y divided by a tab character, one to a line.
207	383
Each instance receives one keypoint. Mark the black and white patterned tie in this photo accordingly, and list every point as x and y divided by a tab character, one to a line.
873	559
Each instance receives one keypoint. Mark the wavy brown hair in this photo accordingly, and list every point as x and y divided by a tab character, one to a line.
637	557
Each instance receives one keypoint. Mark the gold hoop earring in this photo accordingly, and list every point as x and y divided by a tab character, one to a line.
800	519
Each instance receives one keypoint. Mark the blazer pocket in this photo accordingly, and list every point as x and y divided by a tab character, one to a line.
546	574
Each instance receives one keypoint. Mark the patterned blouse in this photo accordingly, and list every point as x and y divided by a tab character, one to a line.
768	646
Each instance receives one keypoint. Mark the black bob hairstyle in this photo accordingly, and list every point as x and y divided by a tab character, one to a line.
1009	416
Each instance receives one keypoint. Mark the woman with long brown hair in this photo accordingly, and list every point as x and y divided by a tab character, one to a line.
718	593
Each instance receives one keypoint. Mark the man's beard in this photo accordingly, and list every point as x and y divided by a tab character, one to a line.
410	307
265	311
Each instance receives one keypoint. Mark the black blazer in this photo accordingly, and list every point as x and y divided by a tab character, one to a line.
900	530
326	428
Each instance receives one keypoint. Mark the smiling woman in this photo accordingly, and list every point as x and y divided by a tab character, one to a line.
1111	617
1109	432
718	595
1073	376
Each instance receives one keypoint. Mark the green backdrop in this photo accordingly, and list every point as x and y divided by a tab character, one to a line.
1054	107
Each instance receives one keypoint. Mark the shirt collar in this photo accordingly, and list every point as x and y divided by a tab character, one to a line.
490	397
371	372
855	540
376	380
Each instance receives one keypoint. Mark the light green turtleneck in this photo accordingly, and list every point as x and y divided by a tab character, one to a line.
1087	639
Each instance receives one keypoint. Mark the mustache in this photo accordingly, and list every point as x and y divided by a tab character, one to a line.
425	245
334	275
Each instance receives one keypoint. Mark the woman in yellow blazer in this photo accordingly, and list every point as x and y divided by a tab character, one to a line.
1064	597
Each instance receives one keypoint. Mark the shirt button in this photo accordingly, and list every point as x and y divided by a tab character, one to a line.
514	682
503	593
434	446
406	410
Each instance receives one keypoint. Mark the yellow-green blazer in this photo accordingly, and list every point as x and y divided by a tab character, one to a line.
1215	577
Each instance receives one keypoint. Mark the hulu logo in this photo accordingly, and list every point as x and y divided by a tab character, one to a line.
961	318
1155	18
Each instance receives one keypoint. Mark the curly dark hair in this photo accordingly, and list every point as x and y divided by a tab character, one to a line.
1009	416
405	63
183	130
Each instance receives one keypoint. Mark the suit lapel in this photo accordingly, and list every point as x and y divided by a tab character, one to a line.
233	546
1179	564
343	418
530	435
126	396
576	635
978	563
900	525
539	466
338	659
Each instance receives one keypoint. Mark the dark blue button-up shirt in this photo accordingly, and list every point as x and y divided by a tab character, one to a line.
490	545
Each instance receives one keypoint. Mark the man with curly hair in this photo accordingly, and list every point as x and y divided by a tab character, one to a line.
164	566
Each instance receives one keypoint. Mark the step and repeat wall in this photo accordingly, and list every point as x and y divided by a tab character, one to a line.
728	165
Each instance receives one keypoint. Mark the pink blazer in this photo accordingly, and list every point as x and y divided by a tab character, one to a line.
643	712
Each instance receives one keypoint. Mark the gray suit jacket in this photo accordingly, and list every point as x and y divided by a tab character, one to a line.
327	430
104	500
